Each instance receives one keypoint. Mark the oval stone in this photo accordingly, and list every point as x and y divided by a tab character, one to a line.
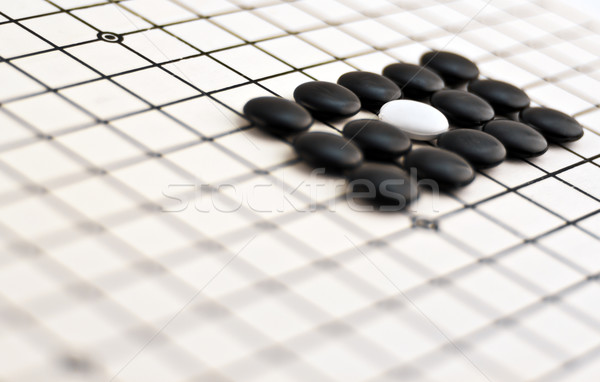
416	82
454	69
519	139
418	120
372	89
383	184
278	115
444	167
504	97
327	150
556	126
462	108
326	100
481	149
378	140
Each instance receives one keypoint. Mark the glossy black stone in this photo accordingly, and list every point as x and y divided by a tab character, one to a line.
504	97
378	140
454	69
520	140
446	168
326	100
462	109
383	184
415	81
481	149
556	126
330	151
278	115
372	89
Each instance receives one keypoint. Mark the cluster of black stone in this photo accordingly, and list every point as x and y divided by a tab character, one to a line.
490	119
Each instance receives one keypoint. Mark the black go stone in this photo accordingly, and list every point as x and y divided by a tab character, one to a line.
329	151
556	126
447	169
378	140
383	184
416	82
481	149
278	116
373	90
519	139
327	101
462	108
454	69
504	97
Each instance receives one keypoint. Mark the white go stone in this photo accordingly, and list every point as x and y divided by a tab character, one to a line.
420	121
